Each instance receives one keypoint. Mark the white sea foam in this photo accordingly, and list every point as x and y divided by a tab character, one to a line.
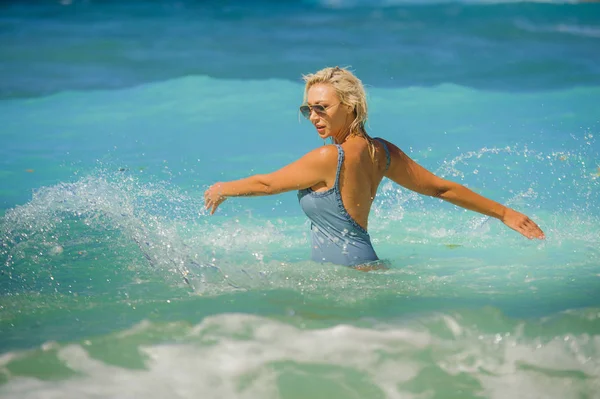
253	357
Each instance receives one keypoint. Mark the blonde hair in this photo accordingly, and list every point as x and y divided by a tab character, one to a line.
350	91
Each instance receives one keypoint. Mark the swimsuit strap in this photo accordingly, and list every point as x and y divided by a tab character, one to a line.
387	152
339	165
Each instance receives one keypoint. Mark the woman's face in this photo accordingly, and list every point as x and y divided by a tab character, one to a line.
334	118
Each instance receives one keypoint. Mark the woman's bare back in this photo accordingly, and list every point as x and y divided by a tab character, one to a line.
360	176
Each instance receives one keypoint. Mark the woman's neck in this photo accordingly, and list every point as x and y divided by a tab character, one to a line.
348	137
341	139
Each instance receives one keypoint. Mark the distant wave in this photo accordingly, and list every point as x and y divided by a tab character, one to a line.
392	3
474	43
582	30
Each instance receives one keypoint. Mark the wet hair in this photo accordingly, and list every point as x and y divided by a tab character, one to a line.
350	91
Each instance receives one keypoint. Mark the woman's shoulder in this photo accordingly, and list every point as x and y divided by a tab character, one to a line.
381	140
386	144
327	150
327	153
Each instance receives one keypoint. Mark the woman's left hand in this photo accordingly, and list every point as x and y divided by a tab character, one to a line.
213	197
521	223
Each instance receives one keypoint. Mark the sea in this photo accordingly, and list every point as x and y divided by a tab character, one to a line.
115	282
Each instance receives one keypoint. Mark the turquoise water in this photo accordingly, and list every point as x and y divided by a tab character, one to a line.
116	283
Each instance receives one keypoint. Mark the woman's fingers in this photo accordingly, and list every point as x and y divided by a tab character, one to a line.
533	231
212	198
523	224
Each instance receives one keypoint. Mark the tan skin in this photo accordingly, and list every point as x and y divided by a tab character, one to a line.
360	174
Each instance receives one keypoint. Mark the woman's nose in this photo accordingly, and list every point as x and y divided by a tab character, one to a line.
314	116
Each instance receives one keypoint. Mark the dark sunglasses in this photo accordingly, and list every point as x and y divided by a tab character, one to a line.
318	108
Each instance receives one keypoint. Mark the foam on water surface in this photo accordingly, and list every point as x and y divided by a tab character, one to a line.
248	356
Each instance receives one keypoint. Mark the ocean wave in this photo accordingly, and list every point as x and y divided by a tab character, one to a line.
237	355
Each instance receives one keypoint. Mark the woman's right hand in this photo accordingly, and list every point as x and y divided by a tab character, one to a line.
213	197
522	224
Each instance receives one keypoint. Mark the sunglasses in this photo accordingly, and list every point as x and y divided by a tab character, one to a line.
306	109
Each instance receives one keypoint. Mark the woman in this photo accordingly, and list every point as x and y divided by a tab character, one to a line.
337	183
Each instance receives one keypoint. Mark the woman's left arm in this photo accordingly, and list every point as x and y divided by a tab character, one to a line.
306	172
406	172
463	197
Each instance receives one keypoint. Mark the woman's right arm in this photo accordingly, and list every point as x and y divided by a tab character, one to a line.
314	167
406	172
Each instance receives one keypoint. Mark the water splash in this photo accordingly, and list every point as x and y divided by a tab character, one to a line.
167	227
123	216
120	207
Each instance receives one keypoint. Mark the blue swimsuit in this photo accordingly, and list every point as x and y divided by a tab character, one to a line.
336	237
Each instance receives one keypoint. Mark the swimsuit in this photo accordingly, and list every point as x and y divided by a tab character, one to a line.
336	237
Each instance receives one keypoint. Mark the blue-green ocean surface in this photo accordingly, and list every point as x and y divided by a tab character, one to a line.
115	282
